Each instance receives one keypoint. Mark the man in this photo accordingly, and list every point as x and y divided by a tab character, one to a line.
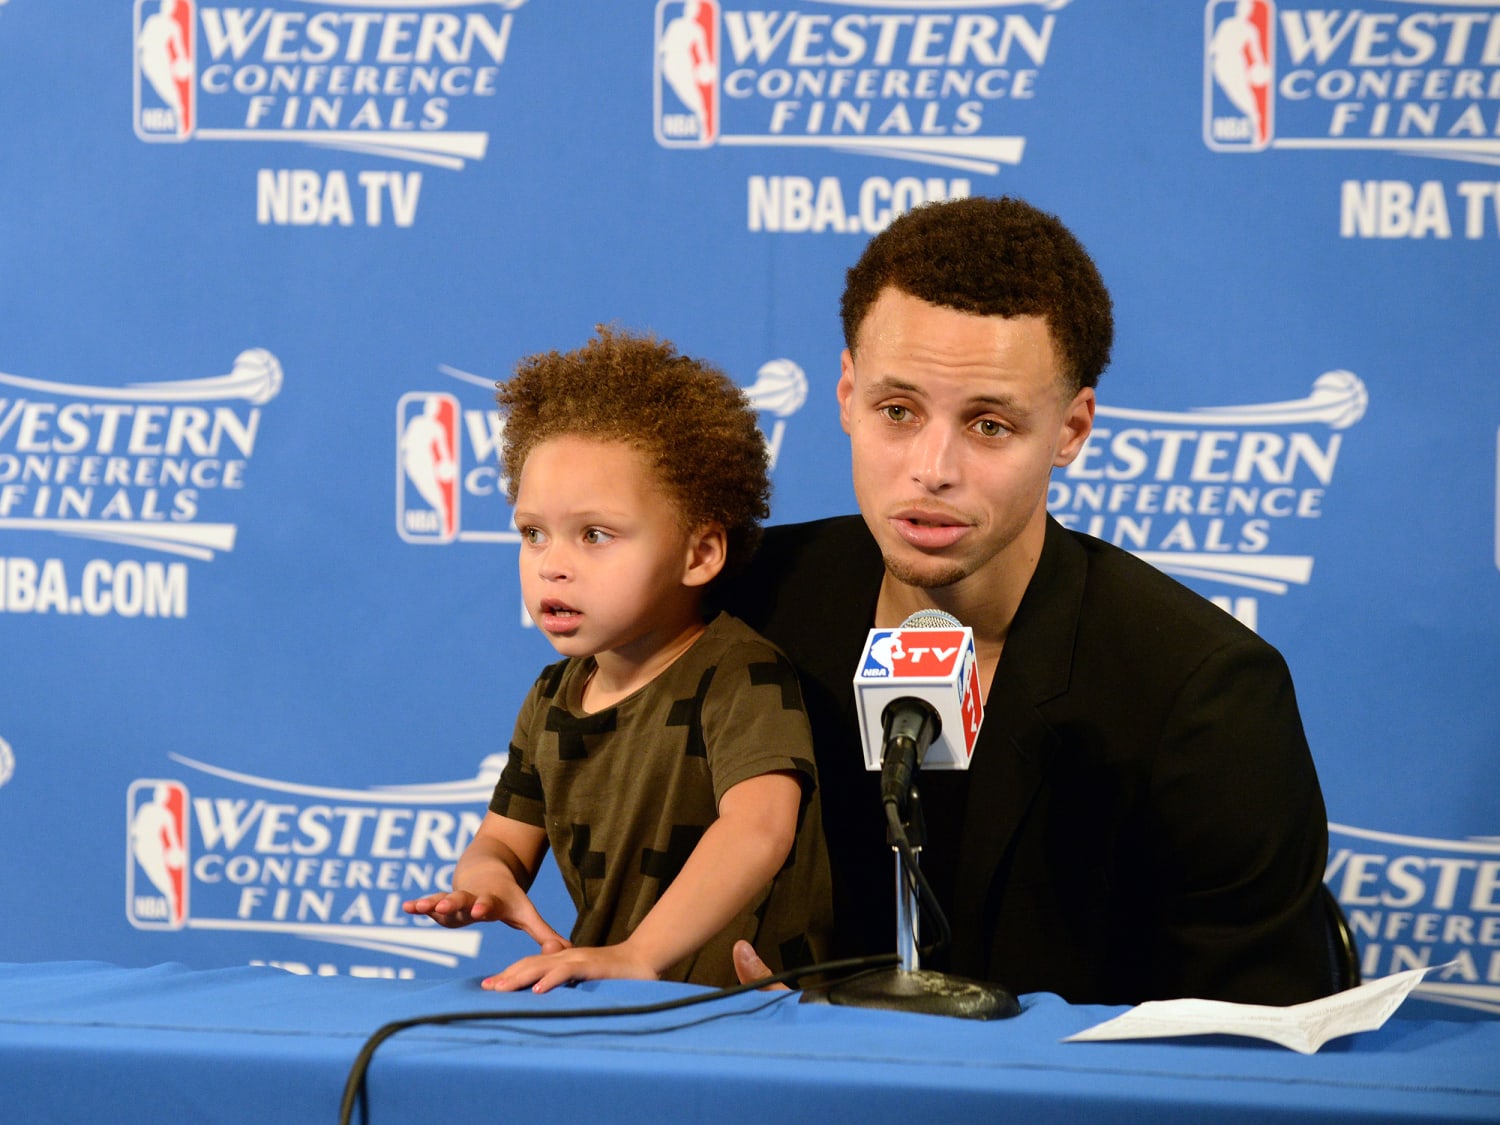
1142	818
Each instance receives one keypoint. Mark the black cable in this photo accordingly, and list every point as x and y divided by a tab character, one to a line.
917	879
354	1086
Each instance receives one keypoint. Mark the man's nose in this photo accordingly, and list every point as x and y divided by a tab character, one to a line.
935	457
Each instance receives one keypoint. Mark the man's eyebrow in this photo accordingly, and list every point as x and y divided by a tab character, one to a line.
891	383
1005	404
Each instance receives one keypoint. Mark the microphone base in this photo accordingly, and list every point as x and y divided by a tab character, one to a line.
919	990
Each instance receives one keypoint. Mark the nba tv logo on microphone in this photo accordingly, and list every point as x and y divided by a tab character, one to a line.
938	666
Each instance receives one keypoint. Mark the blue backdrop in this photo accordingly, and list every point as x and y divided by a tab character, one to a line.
261	639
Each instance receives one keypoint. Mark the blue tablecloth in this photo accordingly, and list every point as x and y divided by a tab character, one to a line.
86	1041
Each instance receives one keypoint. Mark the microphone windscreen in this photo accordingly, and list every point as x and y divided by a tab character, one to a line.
931	619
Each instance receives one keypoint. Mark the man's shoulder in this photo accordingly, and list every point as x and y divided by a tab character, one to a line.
835	537
797	566
1125	594
811	588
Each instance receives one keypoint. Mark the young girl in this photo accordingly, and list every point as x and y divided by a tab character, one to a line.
666	761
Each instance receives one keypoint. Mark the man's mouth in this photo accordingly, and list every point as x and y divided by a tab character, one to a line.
929	530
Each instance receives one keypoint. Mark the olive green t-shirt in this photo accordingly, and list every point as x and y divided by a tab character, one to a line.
625	793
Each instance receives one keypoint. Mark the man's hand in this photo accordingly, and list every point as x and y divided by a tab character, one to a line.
555	966
749	967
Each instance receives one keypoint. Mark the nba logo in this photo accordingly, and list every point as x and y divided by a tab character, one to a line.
165	71
1239	69
881	654
427	468
156	879
687	73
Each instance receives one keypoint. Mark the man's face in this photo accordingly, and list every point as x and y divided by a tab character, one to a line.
955	422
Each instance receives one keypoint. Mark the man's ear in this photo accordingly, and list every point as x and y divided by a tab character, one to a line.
708	550
846	387
1078	423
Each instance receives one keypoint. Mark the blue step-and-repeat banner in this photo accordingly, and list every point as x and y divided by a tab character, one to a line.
261	262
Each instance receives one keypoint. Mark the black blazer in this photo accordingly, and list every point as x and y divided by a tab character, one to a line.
1142	818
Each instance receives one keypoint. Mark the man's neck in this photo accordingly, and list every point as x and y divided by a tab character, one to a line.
985	601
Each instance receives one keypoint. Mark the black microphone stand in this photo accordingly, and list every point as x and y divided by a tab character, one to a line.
908	987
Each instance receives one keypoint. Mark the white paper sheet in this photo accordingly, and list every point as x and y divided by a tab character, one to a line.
1302	1027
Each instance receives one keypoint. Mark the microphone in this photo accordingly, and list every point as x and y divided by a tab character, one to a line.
908	726
917	692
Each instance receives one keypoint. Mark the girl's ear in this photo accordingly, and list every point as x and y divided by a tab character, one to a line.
708	549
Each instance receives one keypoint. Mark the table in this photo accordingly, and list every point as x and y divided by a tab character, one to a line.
84	1041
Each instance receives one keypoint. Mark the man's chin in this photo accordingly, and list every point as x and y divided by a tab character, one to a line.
924	574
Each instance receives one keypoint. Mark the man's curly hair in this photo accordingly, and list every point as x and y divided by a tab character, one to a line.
993	257
695	427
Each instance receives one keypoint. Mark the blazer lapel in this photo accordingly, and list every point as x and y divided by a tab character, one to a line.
1015	739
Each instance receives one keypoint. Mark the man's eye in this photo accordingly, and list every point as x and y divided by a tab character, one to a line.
896	413
989	427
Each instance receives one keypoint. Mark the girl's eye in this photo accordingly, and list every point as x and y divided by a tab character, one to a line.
595	535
